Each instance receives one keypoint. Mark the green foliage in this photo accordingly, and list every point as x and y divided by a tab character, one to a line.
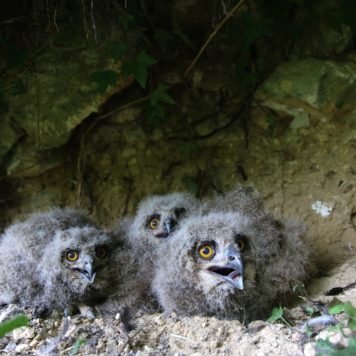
277	314
160	95
76	347
139	67
116	49
326	348
14	323
349	310
103	79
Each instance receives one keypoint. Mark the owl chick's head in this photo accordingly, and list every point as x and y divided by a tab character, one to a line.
78	258
158	216
217	249
208	263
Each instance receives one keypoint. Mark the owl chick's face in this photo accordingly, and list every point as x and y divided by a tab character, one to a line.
80	259
84	264
219	253
159	216
220	263
163	222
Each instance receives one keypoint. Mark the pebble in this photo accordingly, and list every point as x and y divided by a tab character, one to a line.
21	348
309	349
23	333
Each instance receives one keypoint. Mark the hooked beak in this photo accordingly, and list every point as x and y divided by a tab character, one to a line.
231	273
168	227
88	270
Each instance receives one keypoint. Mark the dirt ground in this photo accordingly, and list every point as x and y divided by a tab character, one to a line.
155	334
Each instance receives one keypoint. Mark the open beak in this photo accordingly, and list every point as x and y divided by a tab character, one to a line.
232	272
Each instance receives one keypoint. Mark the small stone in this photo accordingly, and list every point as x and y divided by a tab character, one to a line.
309	349
347	332
10	346
23	333
256	325
21	348
339	340
34	343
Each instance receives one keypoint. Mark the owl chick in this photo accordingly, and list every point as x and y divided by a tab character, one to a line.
156	220
226	264
55	260
244	200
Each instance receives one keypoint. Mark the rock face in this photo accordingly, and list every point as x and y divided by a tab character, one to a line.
57	95
297	149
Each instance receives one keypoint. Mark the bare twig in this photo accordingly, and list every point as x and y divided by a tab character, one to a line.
93	21
54	19
85	20
212	35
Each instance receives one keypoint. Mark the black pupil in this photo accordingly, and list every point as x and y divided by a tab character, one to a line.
71	255
206	251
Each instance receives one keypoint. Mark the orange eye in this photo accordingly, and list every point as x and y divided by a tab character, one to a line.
72	255
153	224
241	245
101	251
206	251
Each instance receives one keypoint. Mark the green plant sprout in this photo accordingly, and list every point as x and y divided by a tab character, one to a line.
277	314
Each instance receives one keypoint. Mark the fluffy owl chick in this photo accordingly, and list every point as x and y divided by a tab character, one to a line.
55	260
156	219
244	200
227	265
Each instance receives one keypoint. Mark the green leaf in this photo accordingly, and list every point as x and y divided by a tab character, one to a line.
104	78
139	67
116	49
351	324
277	313
346	307
160	95
156	114
14	323
76	347
145	59
325	348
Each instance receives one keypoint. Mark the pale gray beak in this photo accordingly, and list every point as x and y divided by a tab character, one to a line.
87	270
169	225
232	271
